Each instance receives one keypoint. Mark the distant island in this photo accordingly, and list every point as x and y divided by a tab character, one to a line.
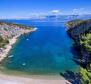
80	31
9	32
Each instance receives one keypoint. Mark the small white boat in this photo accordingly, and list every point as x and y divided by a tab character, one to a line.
24	64
10	56
35	28
27	39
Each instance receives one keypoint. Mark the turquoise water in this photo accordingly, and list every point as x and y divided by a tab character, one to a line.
45	51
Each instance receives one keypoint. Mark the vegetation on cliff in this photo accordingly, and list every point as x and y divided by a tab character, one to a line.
85	42
80	31
77	28
77	22
74	23
86	76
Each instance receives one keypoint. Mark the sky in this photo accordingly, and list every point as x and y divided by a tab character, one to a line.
27	8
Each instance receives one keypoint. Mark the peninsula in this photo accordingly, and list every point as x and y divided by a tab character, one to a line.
9	32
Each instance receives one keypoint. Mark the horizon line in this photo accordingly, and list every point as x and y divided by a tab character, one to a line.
40	16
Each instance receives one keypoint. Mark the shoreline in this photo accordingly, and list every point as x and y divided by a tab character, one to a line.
12	41
11	79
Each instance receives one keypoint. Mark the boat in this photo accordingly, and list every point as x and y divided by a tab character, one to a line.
24	64
35	28
10	56
27	39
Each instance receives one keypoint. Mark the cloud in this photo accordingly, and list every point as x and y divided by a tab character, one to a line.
55	12
78	11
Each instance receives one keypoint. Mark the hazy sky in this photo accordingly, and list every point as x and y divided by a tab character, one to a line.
26	8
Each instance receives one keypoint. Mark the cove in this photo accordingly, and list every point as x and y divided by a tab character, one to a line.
45	51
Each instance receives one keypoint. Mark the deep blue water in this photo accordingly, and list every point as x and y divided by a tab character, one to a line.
45	51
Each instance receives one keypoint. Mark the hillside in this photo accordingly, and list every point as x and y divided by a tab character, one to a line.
80	31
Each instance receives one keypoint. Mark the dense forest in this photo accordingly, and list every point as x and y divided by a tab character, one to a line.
80	31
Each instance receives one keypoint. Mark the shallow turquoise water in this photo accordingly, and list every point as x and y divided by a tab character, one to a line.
46	51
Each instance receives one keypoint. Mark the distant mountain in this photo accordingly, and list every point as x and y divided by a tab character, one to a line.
68	17
60	18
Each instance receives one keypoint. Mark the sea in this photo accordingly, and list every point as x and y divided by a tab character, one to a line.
47	51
